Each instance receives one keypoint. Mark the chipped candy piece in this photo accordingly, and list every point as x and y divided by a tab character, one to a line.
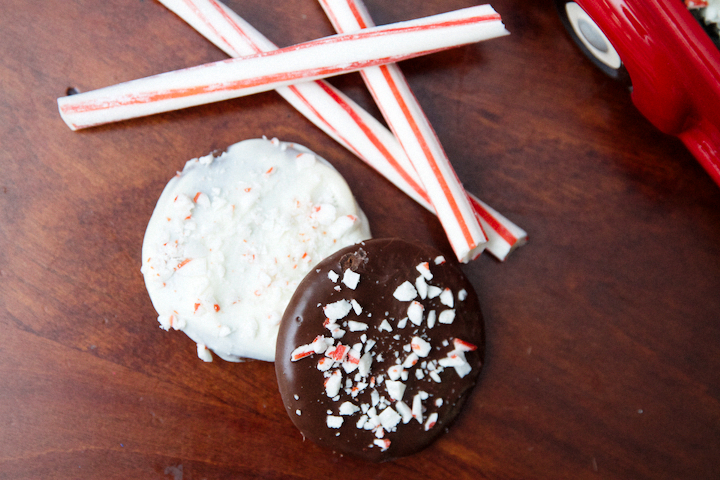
415	312
404	411
351	279
431	318
384	444
424	269
333	384
422	287
389	419
411	359
433	291
395	372
348	408
354	326
357	308
446	298
334	421
431	421
405	292
337	310
395	389
446	316
463	346
420	347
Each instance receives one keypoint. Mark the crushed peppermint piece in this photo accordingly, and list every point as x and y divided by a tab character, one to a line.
333	384
354	326
431	318
404	411
439	260
395	372
411	359
402	322
395	389
462	294
421	286
439	402
357	308
431	421
424	269
333	276
457	360
433	291
389	419
348	408
365	364
338	352
298	412
351	279
334	421
384	444
385	326
446	298
415	312
463	346
337	310
405	292
319	345
447	316
417	408
325	364
420	346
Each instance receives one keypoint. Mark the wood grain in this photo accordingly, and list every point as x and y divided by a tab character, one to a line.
603	332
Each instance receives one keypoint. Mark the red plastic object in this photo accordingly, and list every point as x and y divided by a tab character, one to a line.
674	67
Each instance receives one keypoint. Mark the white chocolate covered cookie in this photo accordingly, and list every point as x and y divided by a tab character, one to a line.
233	235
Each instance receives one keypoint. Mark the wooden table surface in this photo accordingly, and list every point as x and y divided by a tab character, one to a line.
603	355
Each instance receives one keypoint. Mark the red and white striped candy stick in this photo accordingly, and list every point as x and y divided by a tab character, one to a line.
406	119
338	116
233	78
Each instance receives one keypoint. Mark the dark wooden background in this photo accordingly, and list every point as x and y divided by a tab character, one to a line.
603	332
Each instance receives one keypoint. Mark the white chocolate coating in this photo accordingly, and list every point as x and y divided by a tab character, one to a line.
232	236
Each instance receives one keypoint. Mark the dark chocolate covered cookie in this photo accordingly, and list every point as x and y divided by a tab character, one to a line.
378	349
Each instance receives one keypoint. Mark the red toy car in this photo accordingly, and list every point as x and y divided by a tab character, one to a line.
668	51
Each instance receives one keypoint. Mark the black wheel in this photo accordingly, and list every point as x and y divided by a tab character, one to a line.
591	40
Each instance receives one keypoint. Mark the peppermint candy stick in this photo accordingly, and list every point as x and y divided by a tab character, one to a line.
261	72
338	116
406	119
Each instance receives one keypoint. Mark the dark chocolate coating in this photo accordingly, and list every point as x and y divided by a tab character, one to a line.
383	265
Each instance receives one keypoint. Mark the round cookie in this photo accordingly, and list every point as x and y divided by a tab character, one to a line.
378	349
233	235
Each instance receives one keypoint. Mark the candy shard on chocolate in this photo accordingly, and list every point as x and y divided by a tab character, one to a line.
396	388
234	233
